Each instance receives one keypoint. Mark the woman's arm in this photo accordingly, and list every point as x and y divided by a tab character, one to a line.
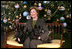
44	35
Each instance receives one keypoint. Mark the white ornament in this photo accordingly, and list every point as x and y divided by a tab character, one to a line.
25	13
10	27
46	1
39	4
69	14
62	18
64	24
5	20
62	8
28	17
49	12
17	5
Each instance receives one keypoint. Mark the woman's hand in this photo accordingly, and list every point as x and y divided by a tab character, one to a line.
19	39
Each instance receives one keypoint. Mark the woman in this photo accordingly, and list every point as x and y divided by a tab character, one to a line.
36	29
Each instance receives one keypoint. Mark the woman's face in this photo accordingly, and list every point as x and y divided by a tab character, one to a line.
33	13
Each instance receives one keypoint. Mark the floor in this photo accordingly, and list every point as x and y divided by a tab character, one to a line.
66	37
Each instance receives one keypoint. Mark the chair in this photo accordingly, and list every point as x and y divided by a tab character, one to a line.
56	43
11	43
57	29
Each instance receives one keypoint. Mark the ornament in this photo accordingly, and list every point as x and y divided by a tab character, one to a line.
16	16
46	10
35	3
20	17
9	13
39	4
13	21
17	5
25	13
49	18
25	2
40	8
68	16
56	1
58	7
49	12
57	19
20	14
46	2
10	27
25	6
44	15
62	8
4	20
52	5
64	24
28	17
62	18
8	19
2	13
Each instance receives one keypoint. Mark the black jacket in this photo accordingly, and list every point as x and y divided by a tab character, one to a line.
39	29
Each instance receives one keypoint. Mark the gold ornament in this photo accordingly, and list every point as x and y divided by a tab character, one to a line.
19	17
8	19
25	6
52	5
35	3
49	18
16	16
44	15
67	16
46	10
13	21
68	9
20	14
57	20
1	13
58	7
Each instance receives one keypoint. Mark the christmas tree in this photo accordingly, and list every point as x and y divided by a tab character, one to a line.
51	11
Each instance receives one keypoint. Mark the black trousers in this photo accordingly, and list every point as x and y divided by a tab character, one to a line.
31	43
